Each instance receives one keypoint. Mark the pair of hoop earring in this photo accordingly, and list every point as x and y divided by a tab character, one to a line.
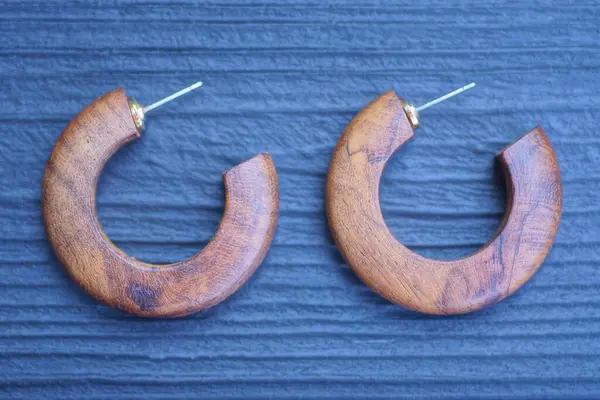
503	265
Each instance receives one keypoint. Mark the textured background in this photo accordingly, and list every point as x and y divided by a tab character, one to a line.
287	79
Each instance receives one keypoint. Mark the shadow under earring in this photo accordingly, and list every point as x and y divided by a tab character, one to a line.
404	277
108	274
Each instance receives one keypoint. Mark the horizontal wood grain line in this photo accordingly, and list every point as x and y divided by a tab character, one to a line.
93	315
456	113
366	51
439	215
459	29
302	213
326	324
324	334
324	393
426	139
474	178
292	23
314	314
154	208
351	73
337	306
284	4
450	215
303	357
327	391
280	11
49	52
149	379
62	120
326	20
417	338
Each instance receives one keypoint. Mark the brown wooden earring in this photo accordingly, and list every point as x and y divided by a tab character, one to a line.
497	270
108	274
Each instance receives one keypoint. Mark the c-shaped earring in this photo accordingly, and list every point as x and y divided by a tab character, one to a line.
108	274
502	266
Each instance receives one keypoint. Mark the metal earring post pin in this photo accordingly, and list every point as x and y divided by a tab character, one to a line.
172	97
446	96
412	112
138	112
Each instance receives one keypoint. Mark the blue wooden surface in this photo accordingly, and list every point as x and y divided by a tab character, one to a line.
286	78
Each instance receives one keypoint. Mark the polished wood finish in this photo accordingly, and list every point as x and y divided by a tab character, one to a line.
105	272
502	266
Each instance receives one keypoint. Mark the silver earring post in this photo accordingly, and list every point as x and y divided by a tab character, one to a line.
446	96
138	112
172	97
412	112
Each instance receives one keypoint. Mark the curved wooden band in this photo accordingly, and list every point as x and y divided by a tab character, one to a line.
105	272
406	278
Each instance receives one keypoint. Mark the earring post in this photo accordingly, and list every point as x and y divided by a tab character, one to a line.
446	96
172	97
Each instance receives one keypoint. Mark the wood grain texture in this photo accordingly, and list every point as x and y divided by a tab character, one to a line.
107	273
502	266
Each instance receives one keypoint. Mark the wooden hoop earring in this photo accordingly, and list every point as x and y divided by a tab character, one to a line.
497	270
108	274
